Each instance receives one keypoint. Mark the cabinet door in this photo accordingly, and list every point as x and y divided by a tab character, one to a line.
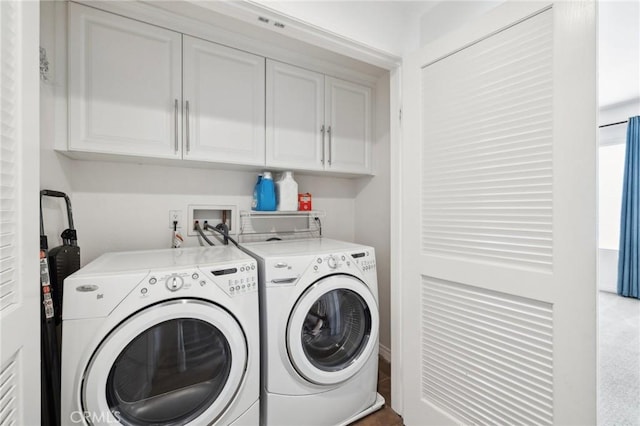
348	115
224	93
124	85
295	117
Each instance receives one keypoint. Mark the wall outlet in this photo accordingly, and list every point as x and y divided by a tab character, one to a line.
213	215
175	215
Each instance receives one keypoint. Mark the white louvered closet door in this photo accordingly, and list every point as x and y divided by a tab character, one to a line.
498	213
19	279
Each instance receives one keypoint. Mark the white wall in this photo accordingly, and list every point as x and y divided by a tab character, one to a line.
611	168
446	16
618	51
390	26
124	206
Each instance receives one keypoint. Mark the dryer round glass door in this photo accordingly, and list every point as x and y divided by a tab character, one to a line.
333	329
175	363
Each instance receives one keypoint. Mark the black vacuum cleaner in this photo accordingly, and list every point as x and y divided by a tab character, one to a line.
64	260
55	265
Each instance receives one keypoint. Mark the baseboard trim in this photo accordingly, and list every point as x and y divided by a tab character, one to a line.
384	352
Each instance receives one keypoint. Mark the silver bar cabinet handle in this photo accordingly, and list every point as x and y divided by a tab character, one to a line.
187	124
175	125
330	145
322	130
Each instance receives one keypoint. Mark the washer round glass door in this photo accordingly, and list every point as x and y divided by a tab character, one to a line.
333	329
172	364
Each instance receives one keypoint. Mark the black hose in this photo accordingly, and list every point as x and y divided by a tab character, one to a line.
224	234
199	229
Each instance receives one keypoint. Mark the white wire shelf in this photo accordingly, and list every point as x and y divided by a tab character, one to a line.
263	226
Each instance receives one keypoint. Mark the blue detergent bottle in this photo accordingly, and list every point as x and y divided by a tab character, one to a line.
266	193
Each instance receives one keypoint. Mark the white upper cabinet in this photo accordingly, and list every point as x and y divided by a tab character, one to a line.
124	85
224	97
317	122
295	117
348	121
137	89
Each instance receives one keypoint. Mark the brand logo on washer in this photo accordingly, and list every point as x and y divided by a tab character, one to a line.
87	288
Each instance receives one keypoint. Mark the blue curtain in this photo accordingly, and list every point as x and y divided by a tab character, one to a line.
629	260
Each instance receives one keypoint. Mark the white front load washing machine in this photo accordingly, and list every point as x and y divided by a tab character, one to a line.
319	324
162	337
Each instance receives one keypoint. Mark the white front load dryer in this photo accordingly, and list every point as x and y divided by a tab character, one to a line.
162	337
319	324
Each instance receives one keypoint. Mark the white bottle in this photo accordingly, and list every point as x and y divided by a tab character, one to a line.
287	193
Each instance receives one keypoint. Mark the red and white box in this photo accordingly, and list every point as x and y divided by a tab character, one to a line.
304	202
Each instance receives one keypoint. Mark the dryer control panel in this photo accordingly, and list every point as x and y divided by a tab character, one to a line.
341	262
366	260
331	262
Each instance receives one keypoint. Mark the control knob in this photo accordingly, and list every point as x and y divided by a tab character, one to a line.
332	262
174	283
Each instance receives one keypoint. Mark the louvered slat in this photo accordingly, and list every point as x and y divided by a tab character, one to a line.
487	151
8	393
491	350
8	150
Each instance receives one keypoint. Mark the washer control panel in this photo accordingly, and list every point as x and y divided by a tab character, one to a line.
365	259
232	279
237	279
173	282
